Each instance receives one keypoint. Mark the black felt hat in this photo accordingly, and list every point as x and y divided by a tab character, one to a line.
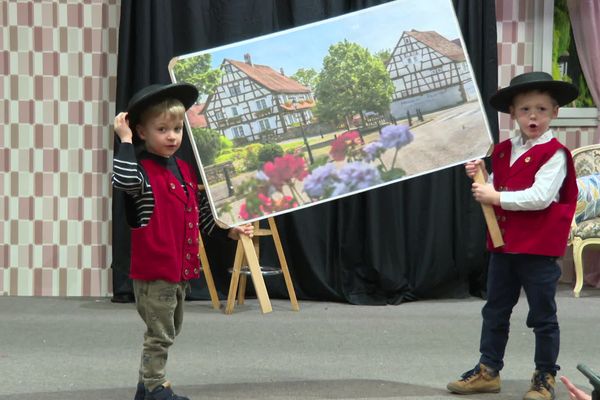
184	92
562	92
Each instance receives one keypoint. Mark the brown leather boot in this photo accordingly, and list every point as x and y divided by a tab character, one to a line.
480	379
542	387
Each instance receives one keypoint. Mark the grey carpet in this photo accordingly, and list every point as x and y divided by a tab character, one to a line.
82	348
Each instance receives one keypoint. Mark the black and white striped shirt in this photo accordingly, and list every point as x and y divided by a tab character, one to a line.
130	178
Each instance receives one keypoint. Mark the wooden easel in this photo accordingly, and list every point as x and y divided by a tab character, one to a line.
248	250
210	283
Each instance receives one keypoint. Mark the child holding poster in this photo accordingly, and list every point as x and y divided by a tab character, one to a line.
533	191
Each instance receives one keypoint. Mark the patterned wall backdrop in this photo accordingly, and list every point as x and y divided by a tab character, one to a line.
58	63
515	26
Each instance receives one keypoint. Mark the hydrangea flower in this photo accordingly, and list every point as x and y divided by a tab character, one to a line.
317	184
396	136
356	176
373	150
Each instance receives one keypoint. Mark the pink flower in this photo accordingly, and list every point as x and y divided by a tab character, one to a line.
274	205
283	169
342	142
248	210
243	212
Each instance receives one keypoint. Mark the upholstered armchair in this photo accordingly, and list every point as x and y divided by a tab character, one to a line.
585	229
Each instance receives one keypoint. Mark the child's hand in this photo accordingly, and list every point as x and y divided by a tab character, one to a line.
121	126
247	229
471	168
574	392
485	193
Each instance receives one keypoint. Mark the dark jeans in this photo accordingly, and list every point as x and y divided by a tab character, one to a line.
538	276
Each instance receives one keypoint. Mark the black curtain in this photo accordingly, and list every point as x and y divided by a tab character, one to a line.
417	239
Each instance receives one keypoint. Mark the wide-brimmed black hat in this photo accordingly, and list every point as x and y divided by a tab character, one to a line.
184	92
562	92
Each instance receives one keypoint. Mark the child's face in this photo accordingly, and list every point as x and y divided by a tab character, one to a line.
162	134
533	111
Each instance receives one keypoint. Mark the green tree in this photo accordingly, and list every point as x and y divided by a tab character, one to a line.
561	36
197	71
307	77
269	151
208	143
352	81
384	55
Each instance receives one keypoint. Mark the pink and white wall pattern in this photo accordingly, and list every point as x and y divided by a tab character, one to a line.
515	30
57	79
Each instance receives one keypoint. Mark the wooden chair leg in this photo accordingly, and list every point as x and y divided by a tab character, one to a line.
578	261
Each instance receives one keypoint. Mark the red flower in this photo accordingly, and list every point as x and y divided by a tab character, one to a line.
341	143
246	211
270	205
283	169
243	212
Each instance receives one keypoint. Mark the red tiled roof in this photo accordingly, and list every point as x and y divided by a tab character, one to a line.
439	43
195	116
269	78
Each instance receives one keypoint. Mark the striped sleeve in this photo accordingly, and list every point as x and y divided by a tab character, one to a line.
207	221
127	175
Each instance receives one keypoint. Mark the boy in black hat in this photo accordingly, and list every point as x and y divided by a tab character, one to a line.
534	193
163	212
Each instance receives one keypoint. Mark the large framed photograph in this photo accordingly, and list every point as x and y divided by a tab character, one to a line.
330	109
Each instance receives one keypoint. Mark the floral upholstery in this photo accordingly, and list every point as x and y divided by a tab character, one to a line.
585	229
587	160
588	198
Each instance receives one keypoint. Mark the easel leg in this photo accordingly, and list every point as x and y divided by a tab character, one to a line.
235	275
284	267
256	274
241	293
210	283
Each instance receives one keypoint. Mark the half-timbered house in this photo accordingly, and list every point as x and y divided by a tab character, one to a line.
429	73
256	102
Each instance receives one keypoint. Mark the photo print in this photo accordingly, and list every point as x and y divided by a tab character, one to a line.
333	108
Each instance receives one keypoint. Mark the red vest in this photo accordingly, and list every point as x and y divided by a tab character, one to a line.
167	248
541	232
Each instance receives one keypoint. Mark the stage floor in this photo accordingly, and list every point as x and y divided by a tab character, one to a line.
89	349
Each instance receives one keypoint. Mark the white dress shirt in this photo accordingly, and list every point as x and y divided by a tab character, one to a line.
548	180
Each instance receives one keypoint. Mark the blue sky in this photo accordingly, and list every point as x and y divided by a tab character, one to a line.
375	28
